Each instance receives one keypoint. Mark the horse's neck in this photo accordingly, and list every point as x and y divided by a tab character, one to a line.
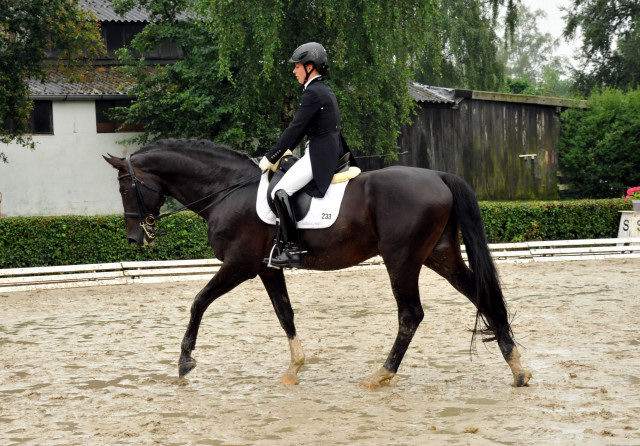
197	184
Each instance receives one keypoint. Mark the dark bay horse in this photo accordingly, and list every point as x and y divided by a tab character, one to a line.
409	216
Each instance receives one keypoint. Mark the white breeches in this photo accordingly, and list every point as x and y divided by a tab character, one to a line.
297	177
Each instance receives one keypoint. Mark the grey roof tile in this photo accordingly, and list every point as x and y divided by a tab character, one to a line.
97	82
103	10
426	93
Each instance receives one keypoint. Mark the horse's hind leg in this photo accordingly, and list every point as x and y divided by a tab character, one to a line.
447	261
404	283
275	284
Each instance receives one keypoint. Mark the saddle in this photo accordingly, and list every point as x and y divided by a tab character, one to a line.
301	201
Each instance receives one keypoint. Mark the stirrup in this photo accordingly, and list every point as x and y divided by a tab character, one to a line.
287	259
267	260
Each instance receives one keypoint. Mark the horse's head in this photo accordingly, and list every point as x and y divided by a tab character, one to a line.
141	198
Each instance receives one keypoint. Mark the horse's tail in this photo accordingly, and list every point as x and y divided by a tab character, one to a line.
489	300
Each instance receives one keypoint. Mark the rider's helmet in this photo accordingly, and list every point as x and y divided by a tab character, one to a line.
310	52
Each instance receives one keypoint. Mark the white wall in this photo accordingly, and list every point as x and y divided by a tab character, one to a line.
65	174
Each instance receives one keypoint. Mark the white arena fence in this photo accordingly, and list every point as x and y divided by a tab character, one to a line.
25	279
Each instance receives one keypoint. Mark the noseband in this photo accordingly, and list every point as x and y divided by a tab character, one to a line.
146	218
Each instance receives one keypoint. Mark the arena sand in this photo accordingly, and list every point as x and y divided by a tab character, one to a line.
98	365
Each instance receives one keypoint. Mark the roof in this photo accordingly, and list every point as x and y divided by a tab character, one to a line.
434	95
98	82
110	83
103	10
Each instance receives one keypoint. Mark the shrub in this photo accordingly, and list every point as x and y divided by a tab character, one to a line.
551	220
599	148
69	240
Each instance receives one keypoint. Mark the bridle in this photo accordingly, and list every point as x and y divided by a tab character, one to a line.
148	219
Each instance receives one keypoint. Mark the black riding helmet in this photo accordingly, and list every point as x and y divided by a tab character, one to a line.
310	52
307	53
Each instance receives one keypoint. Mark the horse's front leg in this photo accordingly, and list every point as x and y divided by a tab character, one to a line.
227	278
276	286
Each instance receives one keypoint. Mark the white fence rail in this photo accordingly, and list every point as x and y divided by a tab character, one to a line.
24	279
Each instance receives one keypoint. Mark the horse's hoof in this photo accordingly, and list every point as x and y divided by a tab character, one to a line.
368	384
289	380
186	367
380	378
522	379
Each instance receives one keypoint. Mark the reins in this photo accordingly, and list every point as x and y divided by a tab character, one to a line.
148	219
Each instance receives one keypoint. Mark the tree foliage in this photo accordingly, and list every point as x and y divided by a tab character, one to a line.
531	66
234	83
530	51
598	148
468	47
28	28
610	42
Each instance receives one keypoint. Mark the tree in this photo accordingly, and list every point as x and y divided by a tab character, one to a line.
529	51
468	47
610	54
598	147
27	29
531	66
234	84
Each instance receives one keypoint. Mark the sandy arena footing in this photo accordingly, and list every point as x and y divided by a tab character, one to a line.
98	365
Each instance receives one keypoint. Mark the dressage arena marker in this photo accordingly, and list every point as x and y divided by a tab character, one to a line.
70	276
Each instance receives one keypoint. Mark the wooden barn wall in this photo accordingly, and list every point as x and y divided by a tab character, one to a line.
482	142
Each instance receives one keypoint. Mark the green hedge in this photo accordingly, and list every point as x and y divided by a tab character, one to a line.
507	222
73	240
47	241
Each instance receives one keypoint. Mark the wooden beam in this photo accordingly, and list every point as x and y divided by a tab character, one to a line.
527	99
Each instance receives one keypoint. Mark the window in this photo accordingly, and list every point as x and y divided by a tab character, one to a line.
41	119
119	34
106	124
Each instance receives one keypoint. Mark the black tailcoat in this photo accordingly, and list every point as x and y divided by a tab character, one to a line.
318	117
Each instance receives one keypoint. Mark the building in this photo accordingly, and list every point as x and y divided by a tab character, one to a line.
65	174
503	145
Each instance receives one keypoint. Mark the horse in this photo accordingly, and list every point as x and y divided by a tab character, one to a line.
409	216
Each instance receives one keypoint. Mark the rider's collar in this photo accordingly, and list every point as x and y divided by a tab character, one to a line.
311	80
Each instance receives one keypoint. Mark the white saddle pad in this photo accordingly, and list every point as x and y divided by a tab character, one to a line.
322	213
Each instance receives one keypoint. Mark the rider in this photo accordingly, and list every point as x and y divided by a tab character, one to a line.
317	117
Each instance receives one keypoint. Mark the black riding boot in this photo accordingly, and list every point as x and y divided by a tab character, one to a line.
290	256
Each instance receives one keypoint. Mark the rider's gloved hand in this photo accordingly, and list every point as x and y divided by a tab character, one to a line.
265	164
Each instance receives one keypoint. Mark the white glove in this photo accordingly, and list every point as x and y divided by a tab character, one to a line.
265	164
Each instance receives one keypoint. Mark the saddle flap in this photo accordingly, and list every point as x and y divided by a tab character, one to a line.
300	201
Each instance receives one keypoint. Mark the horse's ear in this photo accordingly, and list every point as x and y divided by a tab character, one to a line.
116	162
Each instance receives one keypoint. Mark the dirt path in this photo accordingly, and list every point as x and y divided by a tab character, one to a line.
98	365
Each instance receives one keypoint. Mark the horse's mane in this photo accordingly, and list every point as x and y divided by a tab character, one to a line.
195	148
